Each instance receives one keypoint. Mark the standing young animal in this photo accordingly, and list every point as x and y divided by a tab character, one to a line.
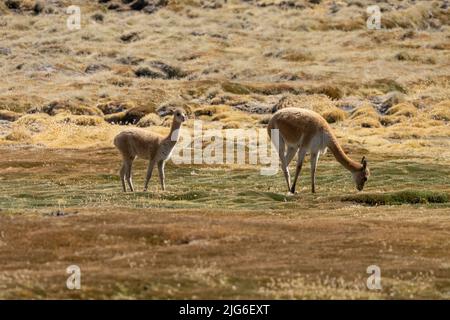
302	130
149	146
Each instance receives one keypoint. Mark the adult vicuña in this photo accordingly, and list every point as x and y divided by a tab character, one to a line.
149	146
302	130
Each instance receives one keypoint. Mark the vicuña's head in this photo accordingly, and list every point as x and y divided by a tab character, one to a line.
179	115
361	176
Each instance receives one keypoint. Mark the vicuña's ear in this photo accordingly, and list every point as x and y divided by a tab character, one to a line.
364	162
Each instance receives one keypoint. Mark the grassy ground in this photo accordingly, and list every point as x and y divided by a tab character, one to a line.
217	232
223	231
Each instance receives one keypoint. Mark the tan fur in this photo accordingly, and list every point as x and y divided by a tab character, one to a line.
302	131
146	145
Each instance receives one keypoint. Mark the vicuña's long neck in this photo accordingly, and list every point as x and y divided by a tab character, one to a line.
174	133
340	155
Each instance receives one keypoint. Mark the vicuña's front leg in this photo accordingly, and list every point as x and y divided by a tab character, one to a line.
314	159
298	169
151	164
161	174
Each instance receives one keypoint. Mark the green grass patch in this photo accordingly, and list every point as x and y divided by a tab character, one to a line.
400	197
189	196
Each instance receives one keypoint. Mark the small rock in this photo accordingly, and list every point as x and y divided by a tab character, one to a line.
5	51
130	37
148	73
171	71
92	68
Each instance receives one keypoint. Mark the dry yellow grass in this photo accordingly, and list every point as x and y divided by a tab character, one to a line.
230	67
441	111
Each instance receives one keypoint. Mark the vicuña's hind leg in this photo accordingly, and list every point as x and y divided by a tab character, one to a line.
151	164
314	159
284	163
298	168
122	176
128	165
161	174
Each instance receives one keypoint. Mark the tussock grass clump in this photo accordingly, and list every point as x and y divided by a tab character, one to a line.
421	16
57	107
18	135
131	116
403	109
333	92
390	120
34	122
9	115
149	120
114	107
319	103
441	111
400	197
366	117
81	120
316	102
211	110
388	85
334	115
228	116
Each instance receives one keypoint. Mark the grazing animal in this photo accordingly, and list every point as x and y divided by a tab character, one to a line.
140	143
302	130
